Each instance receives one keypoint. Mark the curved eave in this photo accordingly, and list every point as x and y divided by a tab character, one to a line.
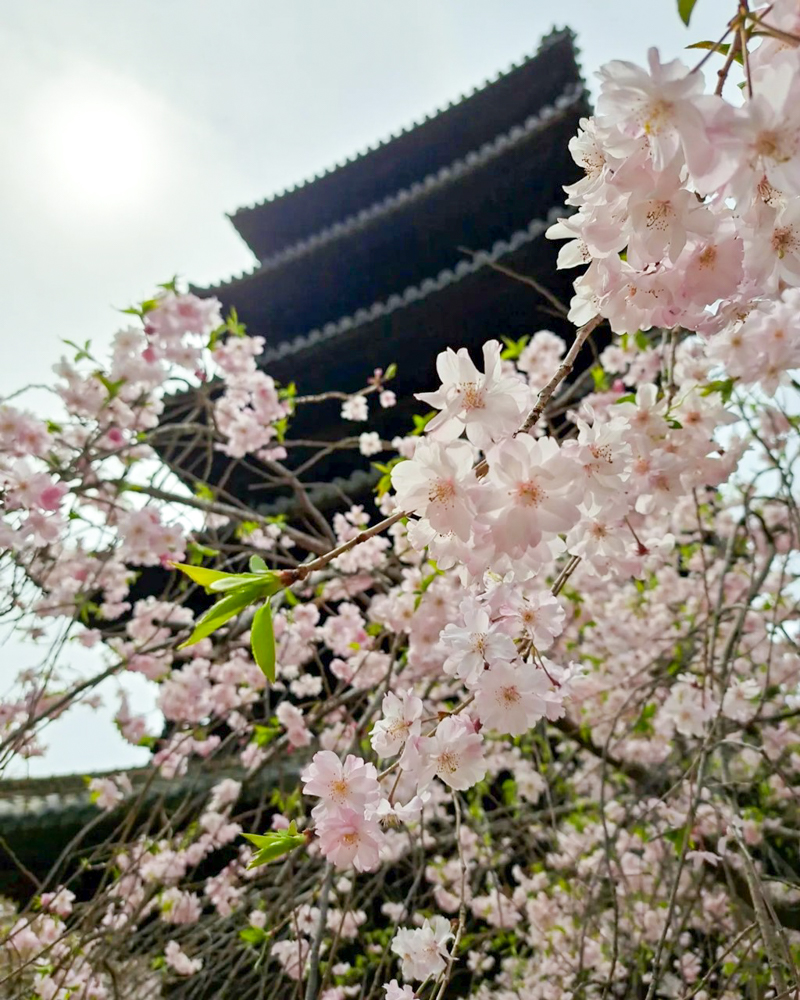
573	98
460	306
413	294
421	149
415	236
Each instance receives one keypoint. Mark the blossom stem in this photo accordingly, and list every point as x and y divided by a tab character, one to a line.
313	958
462	908
564	575
290	576
561	373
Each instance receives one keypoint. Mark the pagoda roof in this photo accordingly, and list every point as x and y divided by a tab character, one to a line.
412	233
415	152
389	258
38	816
465	304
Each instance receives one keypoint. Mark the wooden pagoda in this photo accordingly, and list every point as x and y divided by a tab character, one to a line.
388	257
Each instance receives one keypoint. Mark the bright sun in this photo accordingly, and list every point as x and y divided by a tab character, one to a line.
96	149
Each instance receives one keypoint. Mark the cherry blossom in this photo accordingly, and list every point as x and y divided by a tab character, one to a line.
423	950
475	644
178	960
488	405
508	697
591	606
399	721
534	489
347	838
454	753
438	484
353	784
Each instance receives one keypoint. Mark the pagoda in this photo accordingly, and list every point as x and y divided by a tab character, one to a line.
403	250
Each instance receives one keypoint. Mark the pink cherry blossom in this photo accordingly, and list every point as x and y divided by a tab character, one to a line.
535	489
422	951
476	643
508	697
179	961
660	108
454	753
438	484
394	991
400	720
489	405
353	784
347	838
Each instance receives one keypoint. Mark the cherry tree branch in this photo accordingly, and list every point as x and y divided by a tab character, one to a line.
290	576
561	373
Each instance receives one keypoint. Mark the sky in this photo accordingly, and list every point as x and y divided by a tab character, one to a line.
131	128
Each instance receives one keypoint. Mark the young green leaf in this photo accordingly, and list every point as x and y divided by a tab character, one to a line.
514	348
685	8
257	565
253	935
221	612
722	47
232	581
262	641
273	845
199	574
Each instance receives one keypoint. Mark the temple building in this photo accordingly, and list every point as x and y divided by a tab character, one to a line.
396	254
392	256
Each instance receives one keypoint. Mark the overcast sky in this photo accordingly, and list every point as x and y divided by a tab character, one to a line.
131	127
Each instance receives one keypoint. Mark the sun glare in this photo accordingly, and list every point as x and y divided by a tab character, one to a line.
95	149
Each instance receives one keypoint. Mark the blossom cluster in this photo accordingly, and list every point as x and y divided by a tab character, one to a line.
536	731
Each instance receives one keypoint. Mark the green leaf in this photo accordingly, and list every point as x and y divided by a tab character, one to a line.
384	484
599	378
264	735
245	528
679	836
723	386
111	387
644	725
514	347
200	574
221	612
280	427
262	641
214	338
685	8
421	422
232	324
390	372
257	565
253	935
82	352
629	397
275	844
722	47
197	553
232	581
